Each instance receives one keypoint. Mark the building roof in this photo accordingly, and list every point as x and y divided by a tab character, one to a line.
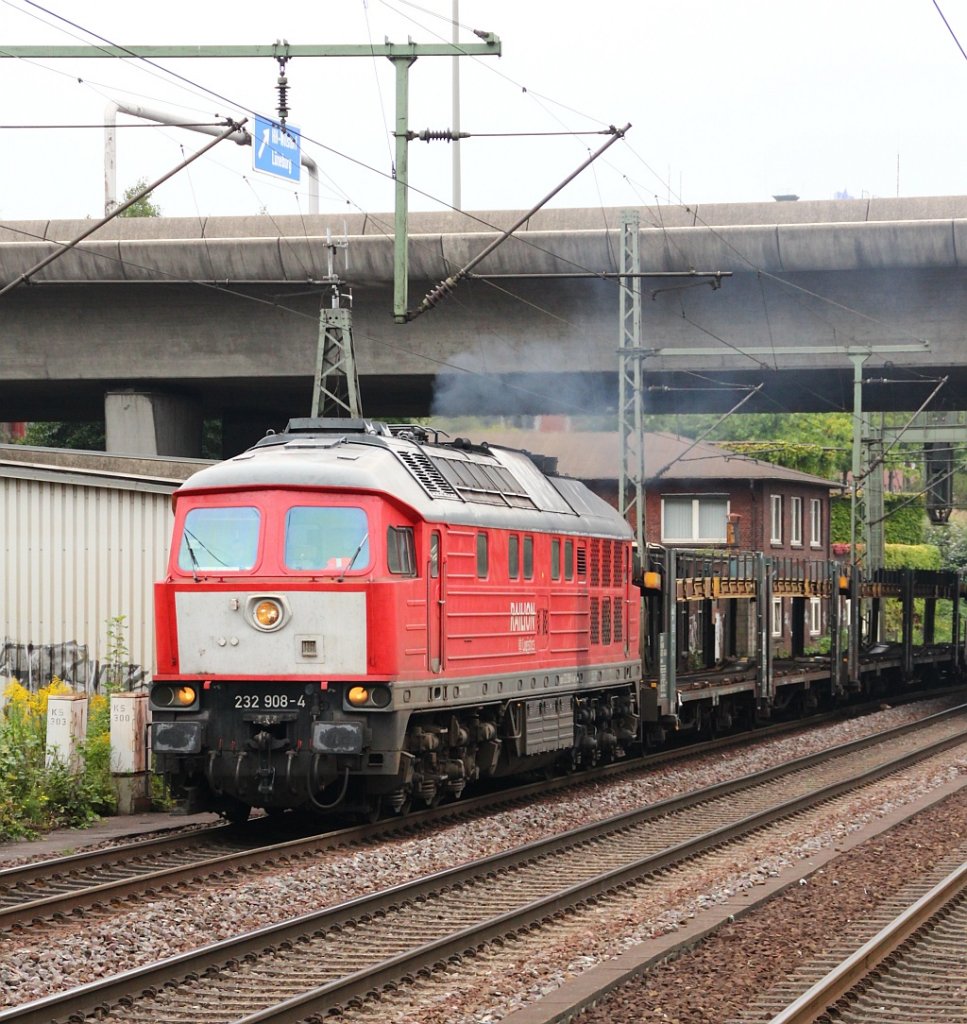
152	466
595	455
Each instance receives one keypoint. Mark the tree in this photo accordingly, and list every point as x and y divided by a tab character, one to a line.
86	436
952	541
143	207
817	443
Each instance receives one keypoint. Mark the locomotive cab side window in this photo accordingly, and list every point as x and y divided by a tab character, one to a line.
555	558
569	559
513	556
434	555
528	558
219	540
482	556
400	550
320	538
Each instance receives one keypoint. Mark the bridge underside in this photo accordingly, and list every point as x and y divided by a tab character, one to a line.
273	400
241	346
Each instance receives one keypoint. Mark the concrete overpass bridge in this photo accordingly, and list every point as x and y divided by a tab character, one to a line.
179	318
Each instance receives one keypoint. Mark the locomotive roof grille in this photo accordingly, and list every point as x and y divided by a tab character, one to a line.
484	483
427	475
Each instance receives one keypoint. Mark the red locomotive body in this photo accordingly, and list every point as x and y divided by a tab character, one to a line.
357	618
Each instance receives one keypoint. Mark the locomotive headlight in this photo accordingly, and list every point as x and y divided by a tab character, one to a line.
185	695
380	696
267	614
163	696
172	696
369	696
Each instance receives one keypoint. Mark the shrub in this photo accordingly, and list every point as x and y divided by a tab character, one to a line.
35	796
911	556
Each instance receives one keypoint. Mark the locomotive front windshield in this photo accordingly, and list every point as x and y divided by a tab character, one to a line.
219	539
333	538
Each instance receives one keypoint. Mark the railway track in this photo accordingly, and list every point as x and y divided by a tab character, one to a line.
914	968
54	889
330	958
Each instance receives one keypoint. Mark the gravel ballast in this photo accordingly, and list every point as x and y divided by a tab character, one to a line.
96	945
722	978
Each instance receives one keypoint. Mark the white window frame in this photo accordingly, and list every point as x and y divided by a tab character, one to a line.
815	616
815	523
775	518
777	617
795	521
696	500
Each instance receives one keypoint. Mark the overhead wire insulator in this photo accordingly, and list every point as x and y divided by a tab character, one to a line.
283	86
437	135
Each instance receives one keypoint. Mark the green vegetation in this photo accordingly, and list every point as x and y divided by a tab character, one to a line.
911	556
51	434
951	540
143	207
817	443
35	796
904	523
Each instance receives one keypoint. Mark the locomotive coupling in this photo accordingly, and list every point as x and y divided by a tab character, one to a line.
265	741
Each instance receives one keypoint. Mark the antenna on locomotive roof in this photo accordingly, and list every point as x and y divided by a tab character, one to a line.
335	385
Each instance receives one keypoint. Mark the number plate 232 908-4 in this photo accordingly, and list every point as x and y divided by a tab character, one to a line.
268	700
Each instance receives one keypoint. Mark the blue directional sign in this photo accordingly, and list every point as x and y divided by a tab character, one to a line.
276	150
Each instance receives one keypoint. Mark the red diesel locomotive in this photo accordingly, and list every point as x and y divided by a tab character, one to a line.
359	618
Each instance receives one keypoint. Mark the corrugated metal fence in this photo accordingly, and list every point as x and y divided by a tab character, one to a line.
80	547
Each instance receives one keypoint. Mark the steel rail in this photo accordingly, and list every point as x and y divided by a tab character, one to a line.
121	853
859	965
100	995
59	870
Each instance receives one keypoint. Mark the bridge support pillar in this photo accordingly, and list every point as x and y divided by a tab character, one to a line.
148	423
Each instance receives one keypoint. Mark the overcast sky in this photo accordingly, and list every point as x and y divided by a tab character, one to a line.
728	102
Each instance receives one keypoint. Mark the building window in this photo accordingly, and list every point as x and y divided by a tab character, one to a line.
777	616
815	616
815	523
699	518
775	501
795	521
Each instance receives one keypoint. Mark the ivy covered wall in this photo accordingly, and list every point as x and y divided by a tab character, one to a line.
905	519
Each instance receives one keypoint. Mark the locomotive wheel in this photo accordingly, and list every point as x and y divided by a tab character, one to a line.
400	802
374	809
237	812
